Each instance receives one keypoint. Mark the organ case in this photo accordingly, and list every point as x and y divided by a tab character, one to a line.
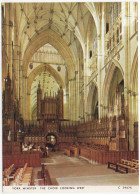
51	107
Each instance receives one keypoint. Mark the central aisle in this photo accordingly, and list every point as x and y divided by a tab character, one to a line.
73	171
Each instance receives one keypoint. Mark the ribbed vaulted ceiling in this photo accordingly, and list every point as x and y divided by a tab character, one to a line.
69	20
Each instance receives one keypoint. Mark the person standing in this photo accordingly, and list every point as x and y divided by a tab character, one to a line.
47	151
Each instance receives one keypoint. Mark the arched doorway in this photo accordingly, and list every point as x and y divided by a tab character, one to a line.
51	140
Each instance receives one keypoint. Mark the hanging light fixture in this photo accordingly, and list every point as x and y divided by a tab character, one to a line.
58	68
31	65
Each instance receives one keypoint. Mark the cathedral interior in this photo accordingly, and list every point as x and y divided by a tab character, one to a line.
70	93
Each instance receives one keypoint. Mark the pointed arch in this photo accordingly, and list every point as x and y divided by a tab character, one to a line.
31	78
108	79
51	37
41	68
92	89
92	9
134	72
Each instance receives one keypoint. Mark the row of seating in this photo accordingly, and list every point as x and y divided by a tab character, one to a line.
15	177
103	156
67	152
7	171
33	159
45	176
73	150
99	147
134	160
62	146
8	174
132	166
27	177
114	166
125	166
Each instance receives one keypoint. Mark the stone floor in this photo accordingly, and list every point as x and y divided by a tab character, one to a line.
35	178
73	171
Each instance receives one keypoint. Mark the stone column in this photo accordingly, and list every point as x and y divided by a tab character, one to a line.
86	58
136	107
7	31
20	82
69	101
10	23
100	43
72	99
16	59
125	42
28	106
127	57
131	121
24	98
99	76
77	97
66	115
